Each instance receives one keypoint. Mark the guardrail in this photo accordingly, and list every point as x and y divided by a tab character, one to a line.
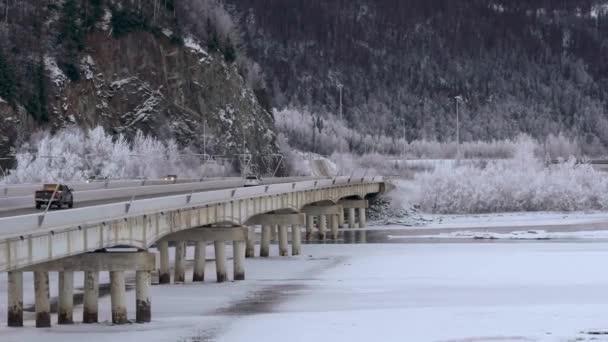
31	224
18	190
22	202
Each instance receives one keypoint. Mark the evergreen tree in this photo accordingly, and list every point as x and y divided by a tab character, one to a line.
71	37
7	80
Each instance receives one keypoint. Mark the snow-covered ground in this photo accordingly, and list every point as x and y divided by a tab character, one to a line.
365	292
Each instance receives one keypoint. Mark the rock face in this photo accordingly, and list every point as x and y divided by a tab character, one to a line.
145	80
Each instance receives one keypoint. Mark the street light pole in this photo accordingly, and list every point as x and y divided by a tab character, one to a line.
458	99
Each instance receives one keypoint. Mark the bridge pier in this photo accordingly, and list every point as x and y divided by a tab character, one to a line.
220	261
91	294
118	297
238	258
296	240
200	252
66	298
143	311
310	224
250	251
352	206
265	241
362	219
283	242
180	263
164	277
42	304
351	218
335	225
15	299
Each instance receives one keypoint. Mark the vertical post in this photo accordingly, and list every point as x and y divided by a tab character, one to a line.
322	227
43	306
200	252
341	217
179	275
164	277
283	243
15	299
118	297
91	295
335	223
310	223
250	252
265	244
274	231
220	261
351	218
362	220
238	258
143	313
296	240
66	298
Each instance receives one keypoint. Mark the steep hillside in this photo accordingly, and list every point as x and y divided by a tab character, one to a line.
126	66
520	65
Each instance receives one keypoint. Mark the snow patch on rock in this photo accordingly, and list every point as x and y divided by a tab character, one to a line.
87	65
55	74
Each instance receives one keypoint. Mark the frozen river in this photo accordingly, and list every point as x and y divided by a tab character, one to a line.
374	292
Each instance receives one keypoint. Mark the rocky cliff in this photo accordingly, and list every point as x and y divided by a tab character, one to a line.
152	76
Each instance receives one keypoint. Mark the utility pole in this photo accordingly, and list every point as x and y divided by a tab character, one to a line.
458	100
340	86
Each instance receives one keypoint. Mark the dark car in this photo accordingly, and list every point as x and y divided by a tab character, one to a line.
57	194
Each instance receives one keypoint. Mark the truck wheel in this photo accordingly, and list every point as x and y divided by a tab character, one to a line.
71	204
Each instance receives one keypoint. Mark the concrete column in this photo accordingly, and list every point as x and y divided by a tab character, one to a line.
15	299
142	297
91	295
179	275
362	221
265	244
335	225
283	243
66	298
275	234
296	240
310	223
351	218
42	304
322	227
238	258
164	277
220	260
341	221
118	297
250	251
200	252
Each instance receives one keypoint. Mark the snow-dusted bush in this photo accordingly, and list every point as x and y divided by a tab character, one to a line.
523	183
74	155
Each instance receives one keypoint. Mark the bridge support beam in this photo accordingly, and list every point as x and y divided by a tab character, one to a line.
118	297
283	243
220	261
296	240
180	263
42	304
250	251
143	313
200	252
65	314
351	218
238	258
91	294
265	243
164	277
15	299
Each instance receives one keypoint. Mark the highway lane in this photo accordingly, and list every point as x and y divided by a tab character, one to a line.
84	204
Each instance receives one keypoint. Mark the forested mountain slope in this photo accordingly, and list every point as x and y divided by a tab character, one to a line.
165	67
533	66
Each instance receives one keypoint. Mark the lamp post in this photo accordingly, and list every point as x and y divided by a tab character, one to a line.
458	100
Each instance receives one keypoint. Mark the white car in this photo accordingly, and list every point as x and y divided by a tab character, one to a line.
252	181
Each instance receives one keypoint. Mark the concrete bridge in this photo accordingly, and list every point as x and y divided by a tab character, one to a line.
85	239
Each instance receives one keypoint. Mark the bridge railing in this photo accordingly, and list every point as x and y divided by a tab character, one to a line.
29	224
